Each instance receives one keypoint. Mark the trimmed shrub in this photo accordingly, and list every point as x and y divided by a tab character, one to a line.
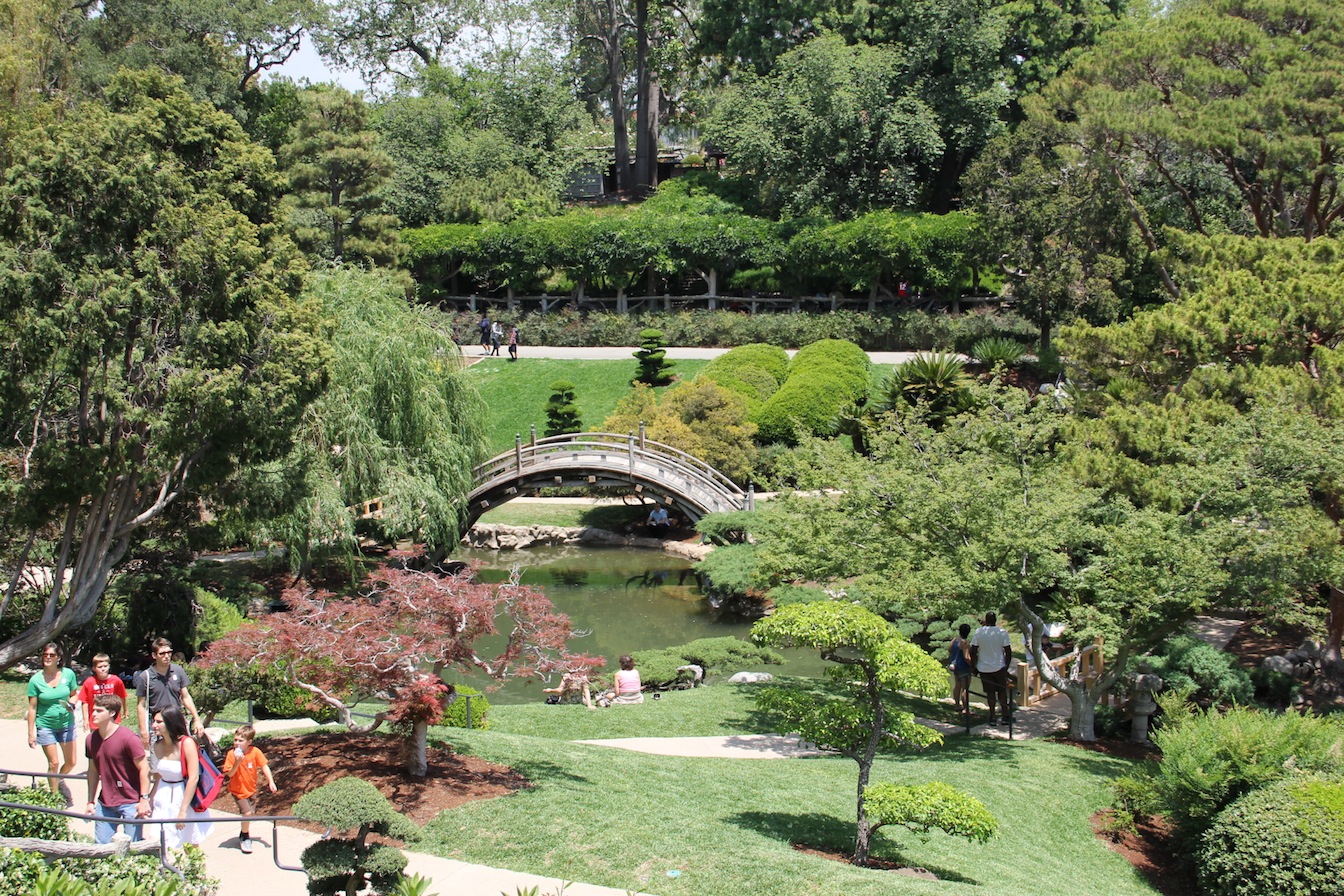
1212	758
770	358
455	716
925	807
562	410
347	864
19	823
824	379
1283	840
1202	671
654	368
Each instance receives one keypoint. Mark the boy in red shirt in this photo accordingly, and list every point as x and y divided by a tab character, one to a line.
100	682
241	767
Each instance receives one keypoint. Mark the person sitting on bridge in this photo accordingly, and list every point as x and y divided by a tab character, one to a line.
658	519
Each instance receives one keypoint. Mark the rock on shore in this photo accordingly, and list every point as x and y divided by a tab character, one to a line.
496	537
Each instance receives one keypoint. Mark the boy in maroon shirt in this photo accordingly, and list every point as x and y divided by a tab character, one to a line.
117	763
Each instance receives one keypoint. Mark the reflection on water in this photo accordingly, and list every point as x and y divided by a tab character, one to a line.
622	600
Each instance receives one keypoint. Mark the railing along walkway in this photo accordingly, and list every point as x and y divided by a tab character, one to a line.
121	842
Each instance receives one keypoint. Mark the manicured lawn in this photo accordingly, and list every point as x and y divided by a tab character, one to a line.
516	393
623	819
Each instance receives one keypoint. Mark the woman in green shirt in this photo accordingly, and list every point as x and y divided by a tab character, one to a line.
51	723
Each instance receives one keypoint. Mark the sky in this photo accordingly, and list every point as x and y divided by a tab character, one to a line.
307	64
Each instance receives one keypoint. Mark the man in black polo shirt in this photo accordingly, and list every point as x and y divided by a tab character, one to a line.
162	685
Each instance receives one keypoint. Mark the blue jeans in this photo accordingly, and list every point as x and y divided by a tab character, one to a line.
103	830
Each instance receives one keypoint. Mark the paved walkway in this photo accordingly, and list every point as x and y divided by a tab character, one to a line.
472	353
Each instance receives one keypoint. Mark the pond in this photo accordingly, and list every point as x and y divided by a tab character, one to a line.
623	600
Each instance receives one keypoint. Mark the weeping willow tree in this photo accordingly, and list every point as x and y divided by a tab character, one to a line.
398	427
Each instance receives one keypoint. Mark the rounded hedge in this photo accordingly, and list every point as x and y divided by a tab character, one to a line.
1286	839
770	358
455	716
824	378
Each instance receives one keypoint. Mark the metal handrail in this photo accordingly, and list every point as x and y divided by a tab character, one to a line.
163	837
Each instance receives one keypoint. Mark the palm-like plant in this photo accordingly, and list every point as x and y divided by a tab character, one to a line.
937	381
998	351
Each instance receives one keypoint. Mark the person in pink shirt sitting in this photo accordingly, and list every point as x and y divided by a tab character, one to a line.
629	688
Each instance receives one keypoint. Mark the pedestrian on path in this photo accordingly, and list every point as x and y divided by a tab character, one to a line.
991	652
177	768
959	663
241	767
162	686
117	768
51	723
484	327
102	681
513	343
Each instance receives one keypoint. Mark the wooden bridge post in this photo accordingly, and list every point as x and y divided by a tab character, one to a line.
518	452
630	449
750	501
641	435
534	435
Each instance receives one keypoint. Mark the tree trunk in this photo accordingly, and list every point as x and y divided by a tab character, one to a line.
417	757
646	156
1082	699
619	110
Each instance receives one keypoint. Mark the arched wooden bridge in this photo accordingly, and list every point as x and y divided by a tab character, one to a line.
606	460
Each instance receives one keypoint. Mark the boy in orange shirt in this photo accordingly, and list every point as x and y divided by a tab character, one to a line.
241	767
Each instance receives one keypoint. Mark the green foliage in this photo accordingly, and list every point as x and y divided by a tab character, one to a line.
344	864
824	379
1201	671
753	371
215	687
936	382
215	617
562	410
414	885
28	874
336	170
1285	838
924	807
658	668
347	804
1211	758
18	823
398	422
329	865
654	368
455	716
998	351
699	417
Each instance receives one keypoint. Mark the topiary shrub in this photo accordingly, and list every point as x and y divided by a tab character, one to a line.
348	864
1286	839
455	716
1203	671
562	410
654	368
19	823
824	379
925	807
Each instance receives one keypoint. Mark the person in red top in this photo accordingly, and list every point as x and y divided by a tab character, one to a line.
102	681
241	767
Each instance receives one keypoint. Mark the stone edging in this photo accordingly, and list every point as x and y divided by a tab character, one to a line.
496	537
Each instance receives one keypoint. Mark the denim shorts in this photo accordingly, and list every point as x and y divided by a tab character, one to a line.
48	736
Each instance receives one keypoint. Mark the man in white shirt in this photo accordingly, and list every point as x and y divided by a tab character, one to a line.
991	652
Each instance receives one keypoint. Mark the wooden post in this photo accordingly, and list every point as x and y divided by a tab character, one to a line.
518	452
630	449
641	435
534	435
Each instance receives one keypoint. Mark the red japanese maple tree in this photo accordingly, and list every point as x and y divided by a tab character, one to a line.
391	643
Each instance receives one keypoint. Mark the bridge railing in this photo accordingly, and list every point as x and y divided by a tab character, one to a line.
536	452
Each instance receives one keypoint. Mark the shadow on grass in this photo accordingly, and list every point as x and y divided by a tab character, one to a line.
830	834
538	772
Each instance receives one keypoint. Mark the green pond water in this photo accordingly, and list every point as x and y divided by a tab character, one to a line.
622	600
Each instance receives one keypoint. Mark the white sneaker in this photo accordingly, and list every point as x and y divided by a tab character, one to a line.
245	844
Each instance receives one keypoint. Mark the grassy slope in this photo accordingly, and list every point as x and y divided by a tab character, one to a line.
516	393
624	819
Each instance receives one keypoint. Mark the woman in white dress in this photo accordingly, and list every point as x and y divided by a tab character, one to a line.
177	766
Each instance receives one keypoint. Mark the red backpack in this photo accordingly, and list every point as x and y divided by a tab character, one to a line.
208	783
